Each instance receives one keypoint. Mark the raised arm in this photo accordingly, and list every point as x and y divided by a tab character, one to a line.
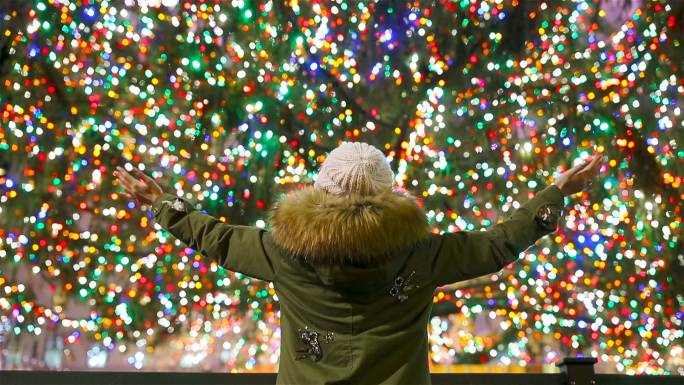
237	248
468	254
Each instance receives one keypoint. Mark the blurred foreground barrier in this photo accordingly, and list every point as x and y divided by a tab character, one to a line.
574	371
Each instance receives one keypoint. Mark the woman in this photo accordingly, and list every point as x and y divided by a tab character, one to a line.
355	264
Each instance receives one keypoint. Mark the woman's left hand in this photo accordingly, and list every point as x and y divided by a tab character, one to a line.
141	187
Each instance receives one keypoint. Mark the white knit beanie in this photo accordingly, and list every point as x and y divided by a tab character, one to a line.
355	167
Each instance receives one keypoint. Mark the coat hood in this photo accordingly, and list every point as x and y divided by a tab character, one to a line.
327	229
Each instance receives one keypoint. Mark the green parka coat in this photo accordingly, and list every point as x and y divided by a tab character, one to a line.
355	276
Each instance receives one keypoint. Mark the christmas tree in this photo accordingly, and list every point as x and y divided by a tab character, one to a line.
477	104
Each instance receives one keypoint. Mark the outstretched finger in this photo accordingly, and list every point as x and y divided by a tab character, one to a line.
578	167
590	166
597	167
131	188
143	176
120	179
592	169
127	189
123	182
597	159
124	175
130	180
594	164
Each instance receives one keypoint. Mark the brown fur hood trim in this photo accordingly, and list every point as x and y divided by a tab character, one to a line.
324	228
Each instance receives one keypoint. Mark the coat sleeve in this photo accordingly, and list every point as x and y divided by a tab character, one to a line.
468	254
236	248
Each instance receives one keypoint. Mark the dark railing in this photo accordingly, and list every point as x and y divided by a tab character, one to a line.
574	371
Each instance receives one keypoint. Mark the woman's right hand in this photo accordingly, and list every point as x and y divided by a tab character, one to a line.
580	176
140	187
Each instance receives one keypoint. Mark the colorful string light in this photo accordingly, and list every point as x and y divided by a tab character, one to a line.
478	104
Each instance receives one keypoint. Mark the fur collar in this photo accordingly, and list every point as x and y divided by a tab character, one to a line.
324	228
